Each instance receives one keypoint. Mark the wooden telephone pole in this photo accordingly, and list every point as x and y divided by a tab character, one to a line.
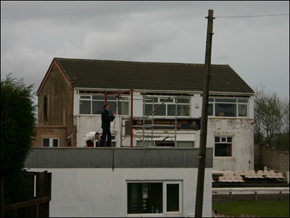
203	129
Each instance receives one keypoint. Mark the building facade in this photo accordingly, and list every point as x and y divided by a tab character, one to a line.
123	182
151	168
73	92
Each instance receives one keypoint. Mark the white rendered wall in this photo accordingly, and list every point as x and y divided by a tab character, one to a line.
103	192
241	129
242	133
196	106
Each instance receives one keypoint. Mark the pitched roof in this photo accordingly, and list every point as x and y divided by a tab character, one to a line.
88	73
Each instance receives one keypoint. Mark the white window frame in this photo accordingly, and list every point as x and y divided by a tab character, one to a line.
237	103
171	101
226	142
149	143
51	142
164	199
91	100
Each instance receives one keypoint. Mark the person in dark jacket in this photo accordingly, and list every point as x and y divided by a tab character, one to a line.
106	126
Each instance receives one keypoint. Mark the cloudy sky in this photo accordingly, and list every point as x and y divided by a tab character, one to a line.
256	47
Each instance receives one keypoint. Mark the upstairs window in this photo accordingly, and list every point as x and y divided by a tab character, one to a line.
228	107
172	107
93	104
45	108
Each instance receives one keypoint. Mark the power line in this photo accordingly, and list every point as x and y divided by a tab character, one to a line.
265	15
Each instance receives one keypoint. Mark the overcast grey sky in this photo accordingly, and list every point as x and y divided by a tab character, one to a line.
257	48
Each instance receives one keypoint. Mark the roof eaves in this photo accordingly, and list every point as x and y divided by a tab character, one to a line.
53	63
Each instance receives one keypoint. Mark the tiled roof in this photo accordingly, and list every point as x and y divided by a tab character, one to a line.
88	73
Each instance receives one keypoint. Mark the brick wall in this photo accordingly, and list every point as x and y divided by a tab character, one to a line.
272	158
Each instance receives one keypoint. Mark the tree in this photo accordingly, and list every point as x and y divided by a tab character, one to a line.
17	131
271	117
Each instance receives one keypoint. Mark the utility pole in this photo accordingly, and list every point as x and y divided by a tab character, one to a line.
203	128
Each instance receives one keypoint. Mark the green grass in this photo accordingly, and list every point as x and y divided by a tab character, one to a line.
257	208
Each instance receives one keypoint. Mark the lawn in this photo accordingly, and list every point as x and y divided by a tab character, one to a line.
257	208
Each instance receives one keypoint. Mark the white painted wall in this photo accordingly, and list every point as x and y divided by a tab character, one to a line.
103	192
251	107
242	131
196	106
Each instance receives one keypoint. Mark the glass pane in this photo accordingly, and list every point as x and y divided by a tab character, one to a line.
242	110
172	197
148	108
125	108
98	107
161	111
164	99
182	100
243	100
224	139
171	110
45	108
182	110
217	139
99	97
210	109
164	143
223	150
55	143
85	97
111	97
225	110
151	99
186	144
210	99
85	107
145	198
225	100
45	142
229	139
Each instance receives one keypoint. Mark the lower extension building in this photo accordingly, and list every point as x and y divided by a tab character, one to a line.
151	167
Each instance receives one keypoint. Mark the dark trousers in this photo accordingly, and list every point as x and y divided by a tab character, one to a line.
90	143
106	132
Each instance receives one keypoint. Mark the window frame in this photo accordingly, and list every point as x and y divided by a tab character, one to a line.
230	101
156	100
109	100
156	141
226	142
50	142
164	198
45	108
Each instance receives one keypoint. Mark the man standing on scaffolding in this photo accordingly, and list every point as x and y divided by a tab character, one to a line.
106	126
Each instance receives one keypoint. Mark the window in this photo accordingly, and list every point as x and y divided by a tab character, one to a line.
45	108
223	146
154	197
171	143
50	142
228	107
169	107
185	144
172	200
93	104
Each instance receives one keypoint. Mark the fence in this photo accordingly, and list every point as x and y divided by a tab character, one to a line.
39	194
227	195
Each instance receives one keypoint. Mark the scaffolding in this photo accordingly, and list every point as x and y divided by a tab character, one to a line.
152	125
147	124
147	137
